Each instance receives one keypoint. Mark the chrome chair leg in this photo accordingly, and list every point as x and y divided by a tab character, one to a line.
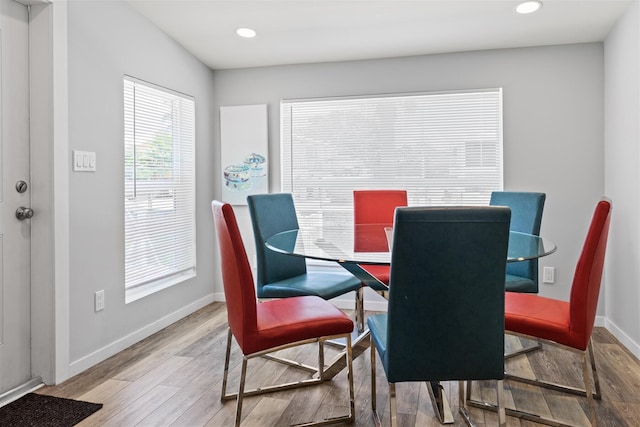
373	377
225	375
393	405
535	347
594	370
321	360
318	378
440	403
376	417
587	360
587	384
560	387
462	402
499	408
240	396
293	363
502	416
352	394
360	309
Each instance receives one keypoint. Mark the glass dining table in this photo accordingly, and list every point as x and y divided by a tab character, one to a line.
334	243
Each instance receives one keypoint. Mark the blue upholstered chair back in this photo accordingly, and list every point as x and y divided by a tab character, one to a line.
271	214
446	299
526	217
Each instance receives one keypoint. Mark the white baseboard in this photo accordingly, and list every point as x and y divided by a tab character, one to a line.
115	347
626	341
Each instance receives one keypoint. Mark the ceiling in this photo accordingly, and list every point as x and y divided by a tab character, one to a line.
306	31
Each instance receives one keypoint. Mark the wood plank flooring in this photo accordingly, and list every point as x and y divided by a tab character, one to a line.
174	378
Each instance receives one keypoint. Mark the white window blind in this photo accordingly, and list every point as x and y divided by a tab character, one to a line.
159	187
443	148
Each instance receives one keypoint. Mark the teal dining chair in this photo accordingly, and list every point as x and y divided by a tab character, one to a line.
281	275
445	318
526	217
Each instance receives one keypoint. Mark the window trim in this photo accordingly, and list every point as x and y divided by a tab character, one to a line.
180	186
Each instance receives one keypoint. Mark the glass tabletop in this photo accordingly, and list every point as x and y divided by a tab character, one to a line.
336	244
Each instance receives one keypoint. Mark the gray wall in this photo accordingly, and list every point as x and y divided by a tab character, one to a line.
553	122
622	177
106	41
554	117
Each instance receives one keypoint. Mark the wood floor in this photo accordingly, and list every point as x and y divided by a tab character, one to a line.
173	378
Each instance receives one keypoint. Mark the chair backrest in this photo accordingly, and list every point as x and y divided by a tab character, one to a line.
237	278
272	214
374	207
587	278
526	217
446	294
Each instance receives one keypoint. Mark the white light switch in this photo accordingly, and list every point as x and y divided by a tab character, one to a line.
84	161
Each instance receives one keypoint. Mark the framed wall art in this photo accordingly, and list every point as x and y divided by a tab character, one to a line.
244	145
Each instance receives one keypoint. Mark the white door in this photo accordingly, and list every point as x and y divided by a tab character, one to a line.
15	234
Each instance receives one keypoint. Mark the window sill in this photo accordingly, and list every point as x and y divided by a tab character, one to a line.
138	292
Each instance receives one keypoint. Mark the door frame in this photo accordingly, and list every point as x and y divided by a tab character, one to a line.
50	165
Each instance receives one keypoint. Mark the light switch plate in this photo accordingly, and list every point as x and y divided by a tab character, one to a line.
84	161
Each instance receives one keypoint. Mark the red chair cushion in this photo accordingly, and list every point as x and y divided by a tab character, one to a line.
541	317
380	272
288	320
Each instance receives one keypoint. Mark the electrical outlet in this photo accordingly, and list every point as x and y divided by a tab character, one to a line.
99	300
548	275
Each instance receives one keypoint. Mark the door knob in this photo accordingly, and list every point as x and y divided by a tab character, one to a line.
23	213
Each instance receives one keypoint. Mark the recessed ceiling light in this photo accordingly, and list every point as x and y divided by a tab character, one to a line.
528	6
246	32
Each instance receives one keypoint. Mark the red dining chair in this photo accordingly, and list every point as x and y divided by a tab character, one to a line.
566	324
372	211
260	329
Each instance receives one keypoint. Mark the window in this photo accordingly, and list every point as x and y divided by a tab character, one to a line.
159	188
443	148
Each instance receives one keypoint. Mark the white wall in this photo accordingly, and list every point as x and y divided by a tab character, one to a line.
622	177
107	40
553	122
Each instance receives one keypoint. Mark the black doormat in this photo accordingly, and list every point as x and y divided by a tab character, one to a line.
39	410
